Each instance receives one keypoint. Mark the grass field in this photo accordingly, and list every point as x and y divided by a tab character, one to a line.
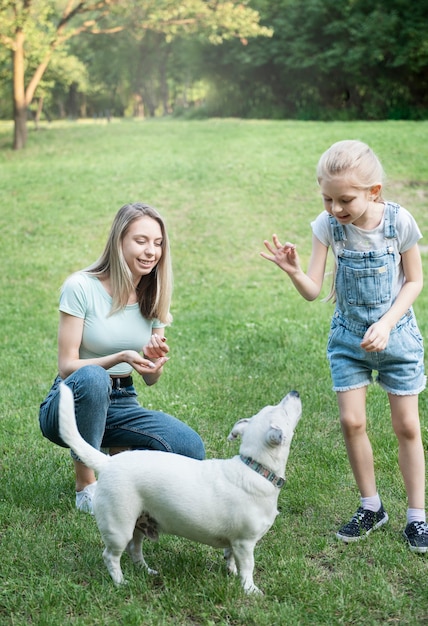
242	338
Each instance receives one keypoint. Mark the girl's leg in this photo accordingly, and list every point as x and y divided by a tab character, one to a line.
352	409
371	514
411	458
406	424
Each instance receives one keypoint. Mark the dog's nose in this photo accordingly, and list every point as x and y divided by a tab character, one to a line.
295	393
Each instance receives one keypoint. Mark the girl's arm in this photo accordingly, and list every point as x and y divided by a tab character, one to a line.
70	334
285	256
377	336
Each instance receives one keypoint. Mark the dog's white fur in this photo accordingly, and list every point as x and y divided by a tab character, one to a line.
222	503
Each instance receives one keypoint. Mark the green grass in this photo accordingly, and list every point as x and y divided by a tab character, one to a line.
242	337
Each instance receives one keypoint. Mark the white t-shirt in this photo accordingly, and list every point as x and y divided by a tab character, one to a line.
407	235
84	296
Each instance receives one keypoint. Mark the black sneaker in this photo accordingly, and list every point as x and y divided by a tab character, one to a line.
362	524
416	534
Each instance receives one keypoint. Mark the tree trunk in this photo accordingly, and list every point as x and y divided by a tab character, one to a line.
73	111
19	103
38	114
164	86
163	77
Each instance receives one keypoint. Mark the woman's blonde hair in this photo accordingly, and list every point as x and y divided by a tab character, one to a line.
154	291
351	157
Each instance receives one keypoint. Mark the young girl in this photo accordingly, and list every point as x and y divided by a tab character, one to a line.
378	276
112	319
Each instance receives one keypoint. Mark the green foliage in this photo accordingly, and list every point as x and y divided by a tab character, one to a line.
212	20
329	60
320	59
37	30
241	338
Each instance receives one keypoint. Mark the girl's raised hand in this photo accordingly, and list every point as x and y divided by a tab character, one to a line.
284	255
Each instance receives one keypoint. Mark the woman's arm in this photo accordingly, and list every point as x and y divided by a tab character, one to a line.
377	336
70	334
156	350
285	256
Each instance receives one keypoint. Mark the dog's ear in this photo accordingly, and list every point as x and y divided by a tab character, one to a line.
274	436
238	429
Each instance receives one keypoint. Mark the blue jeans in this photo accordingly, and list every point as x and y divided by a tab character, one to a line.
108	417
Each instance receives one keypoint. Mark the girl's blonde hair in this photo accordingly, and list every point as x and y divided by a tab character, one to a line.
154	291
355	158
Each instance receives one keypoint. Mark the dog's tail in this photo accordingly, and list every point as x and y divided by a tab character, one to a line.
91	457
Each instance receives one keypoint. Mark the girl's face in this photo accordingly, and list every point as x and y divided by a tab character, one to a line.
347	203
142	246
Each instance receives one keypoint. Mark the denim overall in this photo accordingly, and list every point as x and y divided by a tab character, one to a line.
364	293
364	280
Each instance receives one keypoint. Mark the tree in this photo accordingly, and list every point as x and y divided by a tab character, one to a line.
328	60
39	28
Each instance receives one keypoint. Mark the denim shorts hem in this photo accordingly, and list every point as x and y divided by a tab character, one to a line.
403	392
365	383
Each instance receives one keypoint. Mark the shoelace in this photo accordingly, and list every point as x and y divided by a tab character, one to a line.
421	528
359	515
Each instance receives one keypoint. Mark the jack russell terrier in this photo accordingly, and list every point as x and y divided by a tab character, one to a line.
224	503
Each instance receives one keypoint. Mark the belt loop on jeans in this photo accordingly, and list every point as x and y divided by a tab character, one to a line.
120	383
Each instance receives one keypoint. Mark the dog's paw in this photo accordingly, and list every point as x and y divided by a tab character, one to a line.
141	563
152	572
230	562
118	580
232	569
148	526
252	589
231	566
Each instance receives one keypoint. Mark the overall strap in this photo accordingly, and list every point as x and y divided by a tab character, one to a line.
337	229
390	220
391	210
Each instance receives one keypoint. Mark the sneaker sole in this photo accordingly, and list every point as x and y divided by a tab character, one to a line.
417	549
347	539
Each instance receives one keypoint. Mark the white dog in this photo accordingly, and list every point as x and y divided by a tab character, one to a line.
226	504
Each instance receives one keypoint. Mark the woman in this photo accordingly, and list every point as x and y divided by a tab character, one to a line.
112	320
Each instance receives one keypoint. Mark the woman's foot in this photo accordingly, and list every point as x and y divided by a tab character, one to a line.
84	498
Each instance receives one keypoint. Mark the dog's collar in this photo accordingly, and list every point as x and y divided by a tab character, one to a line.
263	471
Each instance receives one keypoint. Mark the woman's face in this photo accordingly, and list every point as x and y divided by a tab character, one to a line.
142	246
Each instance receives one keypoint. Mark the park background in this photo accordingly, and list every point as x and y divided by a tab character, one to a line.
241	337
318	59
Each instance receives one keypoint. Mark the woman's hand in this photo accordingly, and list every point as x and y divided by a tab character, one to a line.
155	352
156	347
148	369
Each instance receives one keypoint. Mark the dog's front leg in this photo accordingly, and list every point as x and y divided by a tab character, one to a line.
134	549
244	554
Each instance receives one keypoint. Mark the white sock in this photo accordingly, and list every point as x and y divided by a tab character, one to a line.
416	515
372	503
